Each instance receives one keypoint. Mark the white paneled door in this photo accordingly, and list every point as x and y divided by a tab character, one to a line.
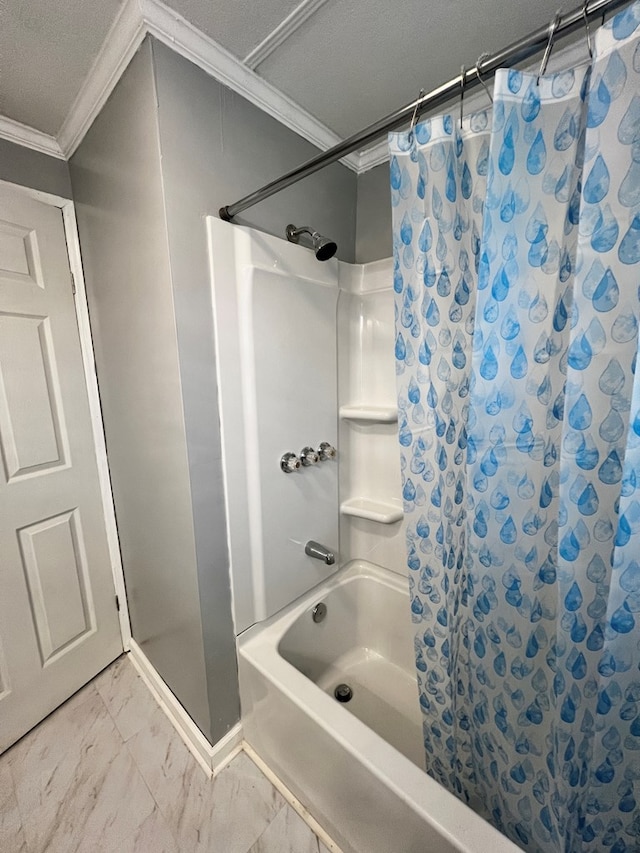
58	618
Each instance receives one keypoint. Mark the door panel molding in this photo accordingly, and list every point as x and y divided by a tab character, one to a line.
70	224
38	425
22	245
54	549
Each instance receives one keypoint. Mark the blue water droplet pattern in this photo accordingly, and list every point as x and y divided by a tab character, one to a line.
519	428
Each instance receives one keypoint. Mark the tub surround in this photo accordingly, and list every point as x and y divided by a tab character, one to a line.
279	316
371	521
275	322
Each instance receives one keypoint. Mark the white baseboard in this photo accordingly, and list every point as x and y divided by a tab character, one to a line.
290	797
211	758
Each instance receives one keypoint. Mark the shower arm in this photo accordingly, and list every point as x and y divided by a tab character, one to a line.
293	233
516	52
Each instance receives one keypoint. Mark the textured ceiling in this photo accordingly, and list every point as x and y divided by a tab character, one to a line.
46	50
357	60
348	64
238	25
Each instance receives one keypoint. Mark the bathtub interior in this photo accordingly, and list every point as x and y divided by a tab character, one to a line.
357	767
364	642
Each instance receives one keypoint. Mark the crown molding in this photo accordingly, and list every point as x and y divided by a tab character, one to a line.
136	19
123	39
374	156
29	137
282	32
182	37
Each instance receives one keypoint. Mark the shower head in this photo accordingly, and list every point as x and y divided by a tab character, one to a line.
323	247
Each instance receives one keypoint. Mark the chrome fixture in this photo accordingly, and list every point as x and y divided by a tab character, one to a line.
319	612
308	456
319	552
326	451
289	463
322	246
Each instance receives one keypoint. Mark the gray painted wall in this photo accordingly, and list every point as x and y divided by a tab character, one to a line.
33	169
216	147
117	187
170	147
373	234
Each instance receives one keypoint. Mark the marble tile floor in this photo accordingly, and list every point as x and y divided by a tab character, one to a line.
106	773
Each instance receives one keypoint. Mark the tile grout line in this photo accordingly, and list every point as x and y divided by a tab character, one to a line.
4	755
131	756
155	802
126	661
268	826
128	751
211	776
253	843
92	739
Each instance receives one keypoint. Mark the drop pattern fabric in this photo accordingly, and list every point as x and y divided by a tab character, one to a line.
517	283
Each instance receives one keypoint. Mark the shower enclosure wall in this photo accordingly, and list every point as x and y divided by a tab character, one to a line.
371	518
275	336
304	354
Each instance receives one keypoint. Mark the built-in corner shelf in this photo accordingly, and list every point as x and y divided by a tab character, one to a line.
374	414
384	513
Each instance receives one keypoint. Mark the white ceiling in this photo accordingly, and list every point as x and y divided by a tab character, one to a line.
348	62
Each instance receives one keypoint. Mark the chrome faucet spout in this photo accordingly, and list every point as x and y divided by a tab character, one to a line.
319	552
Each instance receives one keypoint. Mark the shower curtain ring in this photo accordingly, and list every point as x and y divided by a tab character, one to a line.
553	26
415	112
462	78
585	15
481	59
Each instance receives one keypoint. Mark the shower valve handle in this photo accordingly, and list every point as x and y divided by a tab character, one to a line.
326	451
308	456
289	463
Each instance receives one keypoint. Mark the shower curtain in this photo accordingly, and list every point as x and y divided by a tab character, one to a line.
517	282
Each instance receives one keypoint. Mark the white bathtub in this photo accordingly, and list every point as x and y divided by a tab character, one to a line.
356	766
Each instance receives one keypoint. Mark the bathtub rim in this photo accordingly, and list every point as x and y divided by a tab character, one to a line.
445	813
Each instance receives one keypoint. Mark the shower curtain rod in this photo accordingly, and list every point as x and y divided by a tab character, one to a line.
516	52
